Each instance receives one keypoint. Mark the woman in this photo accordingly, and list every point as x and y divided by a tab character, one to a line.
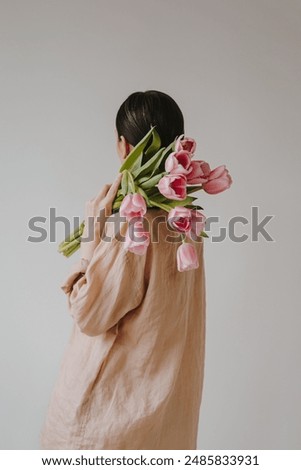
132	373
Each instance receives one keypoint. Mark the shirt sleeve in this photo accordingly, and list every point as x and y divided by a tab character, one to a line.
102	291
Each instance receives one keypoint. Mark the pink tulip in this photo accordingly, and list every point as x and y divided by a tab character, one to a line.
199	172
187	143
198	220
180	218
178	162
133	205
173	187
219	180
136	238
187	257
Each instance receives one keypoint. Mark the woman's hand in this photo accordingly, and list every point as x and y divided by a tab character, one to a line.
96	212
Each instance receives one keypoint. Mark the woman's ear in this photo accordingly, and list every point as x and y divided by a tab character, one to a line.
123	147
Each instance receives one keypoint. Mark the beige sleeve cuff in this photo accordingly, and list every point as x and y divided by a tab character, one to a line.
77	271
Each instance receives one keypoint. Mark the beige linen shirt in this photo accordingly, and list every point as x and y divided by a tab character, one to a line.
131	376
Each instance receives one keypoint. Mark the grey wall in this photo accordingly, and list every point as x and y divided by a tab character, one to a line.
234	68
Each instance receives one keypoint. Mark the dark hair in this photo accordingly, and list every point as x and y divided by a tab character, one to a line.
144	109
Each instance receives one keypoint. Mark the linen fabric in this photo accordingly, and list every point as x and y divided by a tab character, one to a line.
131	376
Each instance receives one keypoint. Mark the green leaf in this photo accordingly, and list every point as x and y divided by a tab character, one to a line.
148	166
160	205
169	148
131	183
174	203
168	204
152	191
204	234
155	145
158	197
143	193
150	182
116	205
195	206
136	152
192	189
142	179
157	166
124	183
160	165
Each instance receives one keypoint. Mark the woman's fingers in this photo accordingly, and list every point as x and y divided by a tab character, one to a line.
111	194
99	208
114	188
102	194
109	190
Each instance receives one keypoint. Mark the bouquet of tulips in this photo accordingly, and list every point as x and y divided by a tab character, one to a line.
163	177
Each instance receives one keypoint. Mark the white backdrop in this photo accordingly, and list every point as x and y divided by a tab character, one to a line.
233	66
